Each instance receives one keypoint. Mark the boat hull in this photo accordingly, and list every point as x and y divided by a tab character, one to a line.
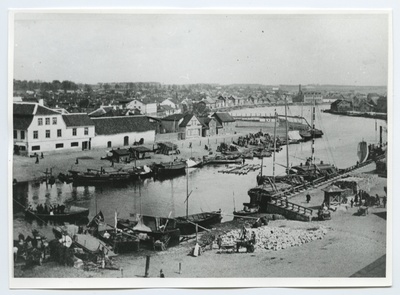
71	217
205	220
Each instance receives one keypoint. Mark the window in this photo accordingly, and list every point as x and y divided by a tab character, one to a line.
86	131
59	134
35	134
15	134
73	131
47	133
35	147
22	134
47	121
54	120
109	144
126	140
74	144
22	148
59	145
40	121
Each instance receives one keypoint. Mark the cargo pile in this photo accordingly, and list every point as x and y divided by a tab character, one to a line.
276	238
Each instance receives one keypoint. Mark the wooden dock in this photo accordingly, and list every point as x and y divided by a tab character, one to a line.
240	169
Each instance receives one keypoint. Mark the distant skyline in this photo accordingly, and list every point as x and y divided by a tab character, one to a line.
334	49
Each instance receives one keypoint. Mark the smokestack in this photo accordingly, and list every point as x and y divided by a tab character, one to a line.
299	88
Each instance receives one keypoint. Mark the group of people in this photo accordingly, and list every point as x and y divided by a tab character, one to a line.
48	209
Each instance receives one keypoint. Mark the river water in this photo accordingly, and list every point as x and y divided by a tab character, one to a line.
209	189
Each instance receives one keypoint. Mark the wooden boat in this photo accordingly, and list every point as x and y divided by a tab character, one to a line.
151	229
140	172
169	168
216	160
248	210
95	177
88	243
187	224
118	239
70	214
313	171
193	162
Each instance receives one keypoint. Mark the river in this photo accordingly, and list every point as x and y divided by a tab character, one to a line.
210	190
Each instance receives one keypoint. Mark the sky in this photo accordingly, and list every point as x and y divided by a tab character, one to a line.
270	49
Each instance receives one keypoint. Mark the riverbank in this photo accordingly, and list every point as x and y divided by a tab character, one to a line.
25	168
378	116
351	243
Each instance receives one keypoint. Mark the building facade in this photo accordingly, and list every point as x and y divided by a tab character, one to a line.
38	129
122	131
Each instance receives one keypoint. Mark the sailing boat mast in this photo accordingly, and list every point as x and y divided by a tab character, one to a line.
312	133
187	192
273	162
287	137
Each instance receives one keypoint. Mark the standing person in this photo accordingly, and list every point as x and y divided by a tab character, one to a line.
76	161
351	203
41	156
356	198
37	159
384	201
308	198
162	274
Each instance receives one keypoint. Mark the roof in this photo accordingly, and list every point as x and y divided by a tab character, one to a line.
23	108
77	120
141	149
126	124
332	189
120	152
186	120
22	122
224	117
174	117
41	110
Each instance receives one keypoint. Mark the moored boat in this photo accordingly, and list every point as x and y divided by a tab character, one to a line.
94	177
151	229
223	160
140	172
248	210
169	168
194	162
187	224
70	214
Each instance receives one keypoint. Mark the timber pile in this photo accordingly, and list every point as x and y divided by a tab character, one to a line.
240	169
276	238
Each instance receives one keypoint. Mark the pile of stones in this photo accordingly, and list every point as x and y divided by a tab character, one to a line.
276	238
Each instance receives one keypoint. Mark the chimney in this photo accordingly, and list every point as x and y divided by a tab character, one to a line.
299	88
41	102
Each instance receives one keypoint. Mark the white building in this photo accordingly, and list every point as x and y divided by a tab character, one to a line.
145	107
122	131
311	96
38	129
170	102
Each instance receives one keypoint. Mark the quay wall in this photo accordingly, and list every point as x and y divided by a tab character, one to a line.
289	214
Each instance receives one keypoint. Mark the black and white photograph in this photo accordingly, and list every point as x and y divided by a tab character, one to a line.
173	147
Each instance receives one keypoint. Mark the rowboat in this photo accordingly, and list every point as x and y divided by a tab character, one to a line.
193	162
71	214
